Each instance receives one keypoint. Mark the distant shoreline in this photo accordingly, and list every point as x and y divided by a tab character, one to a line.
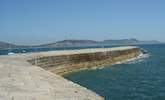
80	43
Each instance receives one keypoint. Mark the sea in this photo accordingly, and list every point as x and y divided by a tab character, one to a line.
142	78
138	79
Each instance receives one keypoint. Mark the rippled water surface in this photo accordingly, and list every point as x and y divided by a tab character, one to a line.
143	79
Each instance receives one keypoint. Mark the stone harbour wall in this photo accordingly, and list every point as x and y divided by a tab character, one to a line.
21	80
64	64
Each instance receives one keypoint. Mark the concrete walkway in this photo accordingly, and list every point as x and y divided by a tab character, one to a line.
19	80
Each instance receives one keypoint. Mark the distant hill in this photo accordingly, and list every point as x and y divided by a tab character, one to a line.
121	42
5	45
70	43
128	42
78	43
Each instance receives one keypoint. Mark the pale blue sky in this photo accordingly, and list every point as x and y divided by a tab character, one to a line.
44	21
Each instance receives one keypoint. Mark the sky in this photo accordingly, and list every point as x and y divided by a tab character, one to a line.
33	22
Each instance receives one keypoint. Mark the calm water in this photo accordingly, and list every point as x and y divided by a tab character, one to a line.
142	79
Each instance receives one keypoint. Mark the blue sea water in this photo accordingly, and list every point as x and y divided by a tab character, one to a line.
142	79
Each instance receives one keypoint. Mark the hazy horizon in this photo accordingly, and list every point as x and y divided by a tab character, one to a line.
75	39
32	22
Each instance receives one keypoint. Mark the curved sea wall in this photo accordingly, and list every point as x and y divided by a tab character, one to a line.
21	80
66	63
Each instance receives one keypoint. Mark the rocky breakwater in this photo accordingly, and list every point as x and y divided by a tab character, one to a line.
64	62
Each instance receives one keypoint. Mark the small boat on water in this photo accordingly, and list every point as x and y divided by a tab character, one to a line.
10	50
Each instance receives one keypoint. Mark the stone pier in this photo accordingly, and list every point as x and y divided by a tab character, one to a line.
38	76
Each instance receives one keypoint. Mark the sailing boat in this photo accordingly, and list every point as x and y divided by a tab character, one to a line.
9	50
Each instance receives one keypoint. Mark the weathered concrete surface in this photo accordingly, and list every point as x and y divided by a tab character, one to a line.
19	80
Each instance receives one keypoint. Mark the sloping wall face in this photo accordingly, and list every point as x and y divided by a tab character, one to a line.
64	64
